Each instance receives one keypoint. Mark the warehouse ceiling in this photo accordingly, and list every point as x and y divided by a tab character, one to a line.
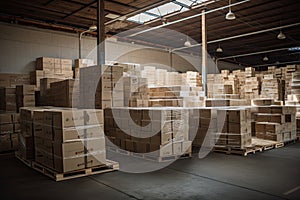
123	15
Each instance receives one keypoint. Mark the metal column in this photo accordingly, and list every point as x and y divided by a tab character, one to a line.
204	53
101	33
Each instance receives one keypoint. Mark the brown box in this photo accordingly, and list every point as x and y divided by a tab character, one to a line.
67	118
25	90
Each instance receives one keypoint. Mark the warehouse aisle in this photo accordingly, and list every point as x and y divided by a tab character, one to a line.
266	175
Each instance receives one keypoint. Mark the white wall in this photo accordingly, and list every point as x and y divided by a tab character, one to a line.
21	45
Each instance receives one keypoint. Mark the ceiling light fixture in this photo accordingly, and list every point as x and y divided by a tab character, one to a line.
219	49
281	35
187	42
266	59
230	15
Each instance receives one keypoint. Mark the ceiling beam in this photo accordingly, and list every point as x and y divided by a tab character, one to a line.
80	9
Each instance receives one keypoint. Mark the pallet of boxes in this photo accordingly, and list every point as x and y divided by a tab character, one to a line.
233	134
153	134
64	143
275	126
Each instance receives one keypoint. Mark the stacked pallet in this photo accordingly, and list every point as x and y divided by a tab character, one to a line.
25	95
155	132
8	99
51	68
69	140
201	123
101	87
272	87
9	130
234	128
81	63
135	92
276	123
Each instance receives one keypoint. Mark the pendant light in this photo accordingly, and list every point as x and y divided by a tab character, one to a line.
230	15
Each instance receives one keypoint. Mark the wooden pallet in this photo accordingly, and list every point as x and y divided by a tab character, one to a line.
26	162
269	144
109	167
236	150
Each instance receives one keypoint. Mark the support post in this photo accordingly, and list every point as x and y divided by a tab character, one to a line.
101	33
204	53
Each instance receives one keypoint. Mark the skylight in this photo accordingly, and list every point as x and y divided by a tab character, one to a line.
165	9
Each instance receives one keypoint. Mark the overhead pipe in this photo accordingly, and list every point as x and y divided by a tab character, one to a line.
187	18
250	54
240	36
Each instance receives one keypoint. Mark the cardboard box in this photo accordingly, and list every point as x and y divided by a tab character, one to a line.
93	117
67	118
25	90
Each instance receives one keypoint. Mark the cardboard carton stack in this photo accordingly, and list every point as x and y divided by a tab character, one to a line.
26	139
174	78
155	132
25	96
272	88
216	87
241	76
252	88
51	68
68	140
8	99
62	94
234	127
202	122
101	87
9	130
193	79
135	92
290	82
277	123
81	63
11	80
150	74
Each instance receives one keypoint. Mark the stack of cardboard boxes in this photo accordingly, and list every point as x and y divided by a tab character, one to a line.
9	130
26	139
277	123
8	99
12	80
68	140
272	88
156	132
101	87
235	127
51	68
81	63
135	92
25	95
61	93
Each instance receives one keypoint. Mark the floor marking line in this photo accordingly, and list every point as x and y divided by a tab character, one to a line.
292	190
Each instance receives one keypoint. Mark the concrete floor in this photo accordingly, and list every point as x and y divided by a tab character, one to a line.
267	175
